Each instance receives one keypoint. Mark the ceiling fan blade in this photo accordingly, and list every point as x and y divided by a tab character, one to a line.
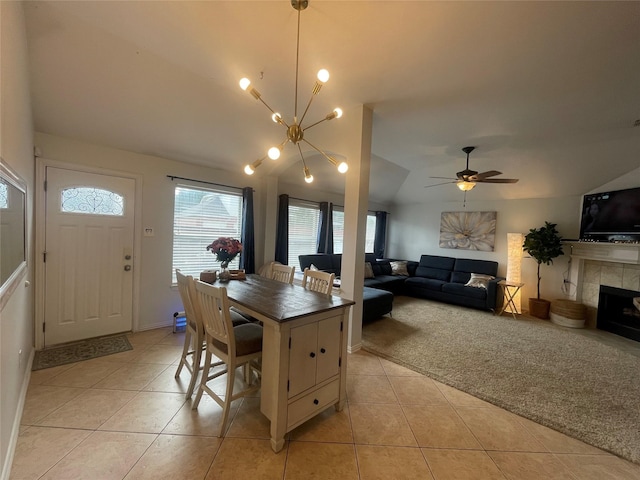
437	184
498	180
444	178
483	175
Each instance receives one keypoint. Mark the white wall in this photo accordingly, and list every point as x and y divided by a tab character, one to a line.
414	230
16	148
157	300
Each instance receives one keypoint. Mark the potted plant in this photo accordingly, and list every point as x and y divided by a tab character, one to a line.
543	244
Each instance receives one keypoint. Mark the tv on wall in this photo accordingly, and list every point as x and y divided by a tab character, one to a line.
611	216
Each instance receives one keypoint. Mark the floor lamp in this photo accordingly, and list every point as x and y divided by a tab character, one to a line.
514	265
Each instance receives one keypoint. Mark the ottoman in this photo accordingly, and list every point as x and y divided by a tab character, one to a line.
375	303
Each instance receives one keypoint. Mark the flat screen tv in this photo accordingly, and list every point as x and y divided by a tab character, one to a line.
611	216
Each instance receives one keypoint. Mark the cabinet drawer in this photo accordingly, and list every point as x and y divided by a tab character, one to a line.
312	403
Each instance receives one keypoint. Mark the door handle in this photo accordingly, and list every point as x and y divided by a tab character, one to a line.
127	268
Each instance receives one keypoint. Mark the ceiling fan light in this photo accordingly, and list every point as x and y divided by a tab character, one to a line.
465	186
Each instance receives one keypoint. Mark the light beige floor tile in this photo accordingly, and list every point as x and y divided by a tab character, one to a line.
497	429
176	339
460	399
393	369
377	424
40	448
40	376
388	463
462	465
84	374
163	354
249	422
363	363
247	458
557	442
600	467
133	376
128	355
167	382
176	457
439	426
370	389
148	337
41	400
417	391
203	421
530	466
103	455
147	412
88	410
326	461
328	426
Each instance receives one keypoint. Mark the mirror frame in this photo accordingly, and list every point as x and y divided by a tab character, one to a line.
11	283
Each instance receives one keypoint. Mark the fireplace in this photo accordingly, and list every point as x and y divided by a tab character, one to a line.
619	311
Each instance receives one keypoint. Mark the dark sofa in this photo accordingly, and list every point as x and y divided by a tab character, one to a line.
444	279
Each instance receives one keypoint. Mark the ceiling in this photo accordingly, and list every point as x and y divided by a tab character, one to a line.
548	92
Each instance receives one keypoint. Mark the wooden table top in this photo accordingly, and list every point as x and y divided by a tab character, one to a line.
279	301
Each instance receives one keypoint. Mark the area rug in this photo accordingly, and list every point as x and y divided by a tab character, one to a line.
552	375
78	351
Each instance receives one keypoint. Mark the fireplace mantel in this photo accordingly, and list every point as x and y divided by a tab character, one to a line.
604	252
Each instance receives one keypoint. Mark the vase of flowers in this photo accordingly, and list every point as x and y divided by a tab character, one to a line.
225	249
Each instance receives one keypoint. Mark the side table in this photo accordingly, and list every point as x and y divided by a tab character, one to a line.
509	291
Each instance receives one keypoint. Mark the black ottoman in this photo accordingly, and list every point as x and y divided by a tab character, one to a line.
375	303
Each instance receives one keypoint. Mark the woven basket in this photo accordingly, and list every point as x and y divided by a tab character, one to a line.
568	313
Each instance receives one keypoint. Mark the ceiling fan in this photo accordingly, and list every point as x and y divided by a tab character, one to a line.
467	179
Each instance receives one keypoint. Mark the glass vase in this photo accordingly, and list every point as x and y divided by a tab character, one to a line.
225	274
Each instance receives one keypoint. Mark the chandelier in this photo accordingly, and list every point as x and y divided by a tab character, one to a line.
295	130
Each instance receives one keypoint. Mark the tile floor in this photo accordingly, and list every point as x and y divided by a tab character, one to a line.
124	417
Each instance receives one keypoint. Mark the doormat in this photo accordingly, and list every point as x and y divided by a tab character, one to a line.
78	351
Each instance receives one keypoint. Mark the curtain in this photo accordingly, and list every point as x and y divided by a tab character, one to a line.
325	228
380	238
282	232
248	257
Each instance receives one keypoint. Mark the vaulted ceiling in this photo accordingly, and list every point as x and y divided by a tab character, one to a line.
548	92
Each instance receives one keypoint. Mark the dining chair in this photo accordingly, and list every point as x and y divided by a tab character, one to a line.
318	281
194	337
233	346
283	273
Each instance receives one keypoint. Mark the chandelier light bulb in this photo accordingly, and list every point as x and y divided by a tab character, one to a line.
274	153
276	117
248	169
343	167
323	75
338	112
307	175
244	83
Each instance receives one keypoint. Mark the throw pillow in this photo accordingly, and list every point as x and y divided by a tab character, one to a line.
368	270
399	268
479	280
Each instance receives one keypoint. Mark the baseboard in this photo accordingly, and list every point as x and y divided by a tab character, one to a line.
15	430
354	348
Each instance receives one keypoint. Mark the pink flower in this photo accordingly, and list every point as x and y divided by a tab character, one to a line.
225	249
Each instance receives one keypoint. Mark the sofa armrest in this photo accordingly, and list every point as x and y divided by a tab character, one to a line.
494	294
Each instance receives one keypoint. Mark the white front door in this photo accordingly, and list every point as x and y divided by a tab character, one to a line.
89	255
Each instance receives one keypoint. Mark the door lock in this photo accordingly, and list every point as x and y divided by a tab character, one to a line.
127	268
127	257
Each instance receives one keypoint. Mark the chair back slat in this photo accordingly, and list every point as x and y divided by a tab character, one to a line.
186	295
283	273
214	308
317	281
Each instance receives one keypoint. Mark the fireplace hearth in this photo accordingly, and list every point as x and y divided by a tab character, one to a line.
619	312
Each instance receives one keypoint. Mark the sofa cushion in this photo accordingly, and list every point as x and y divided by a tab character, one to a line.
425	283
368	270
385	267
463	291
434	273
399	268
479	280
470	266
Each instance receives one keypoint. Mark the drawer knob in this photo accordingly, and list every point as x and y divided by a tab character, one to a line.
312	355
315	401
322	350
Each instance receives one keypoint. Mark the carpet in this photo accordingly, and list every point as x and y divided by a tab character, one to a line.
78	351
549	374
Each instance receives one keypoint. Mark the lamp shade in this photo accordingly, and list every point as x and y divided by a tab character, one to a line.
514	265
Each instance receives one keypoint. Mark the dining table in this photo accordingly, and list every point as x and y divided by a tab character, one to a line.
304	349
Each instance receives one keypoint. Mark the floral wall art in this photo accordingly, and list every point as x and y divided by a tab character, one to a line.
468	230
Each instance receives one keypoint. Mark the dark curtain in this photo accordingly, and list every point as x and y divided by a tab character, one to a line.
248	257
325	228
282	233
380	239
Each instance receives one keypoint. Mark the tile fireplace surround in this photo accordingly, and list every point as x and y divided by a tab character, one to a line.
594	264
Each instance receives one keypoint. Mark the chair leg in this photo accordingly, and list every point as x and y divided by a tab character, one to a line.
197	357
185	351
231	377
203	379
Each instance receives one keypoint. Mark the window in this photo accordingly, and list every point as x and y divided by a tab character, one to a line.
303	229
90	200
200	216
338	231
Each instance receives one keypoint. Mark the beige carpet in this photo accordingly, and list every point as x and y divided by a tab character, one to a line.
82	350
549	374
